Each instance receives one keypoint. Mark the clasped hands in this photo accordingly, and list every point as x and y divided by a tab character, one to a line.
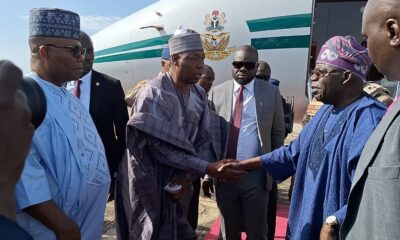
226	169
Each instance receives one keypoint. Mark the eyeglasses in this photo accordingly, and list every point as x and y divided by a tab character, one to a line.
319	74
247	65
77	51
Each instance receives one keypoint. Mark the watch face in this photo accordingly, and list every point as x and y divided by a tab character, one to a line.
331	220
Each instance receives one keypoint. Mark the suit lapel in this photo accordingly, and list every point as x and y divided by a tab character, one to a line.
228	93
226	113
94	93
370	149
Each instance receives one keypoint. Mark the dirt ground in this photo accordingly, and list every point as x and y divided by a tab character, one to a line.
208	210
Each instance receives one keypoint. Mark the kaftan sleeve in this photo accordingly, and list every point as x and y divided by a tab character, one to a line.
33	187
340	214
177	158
282	162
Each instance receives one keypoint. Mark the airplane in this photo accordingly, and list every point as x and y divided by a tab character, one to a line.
287	34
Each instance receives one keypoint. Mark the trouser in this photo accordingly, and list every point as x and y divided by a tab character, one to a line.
243	206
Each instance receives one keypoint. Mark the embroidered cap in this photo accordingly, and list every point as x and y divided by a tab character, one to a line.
346	53
53	22
185	40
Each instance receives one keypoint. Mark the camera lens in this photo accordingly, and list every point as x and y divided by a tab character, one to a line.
36	100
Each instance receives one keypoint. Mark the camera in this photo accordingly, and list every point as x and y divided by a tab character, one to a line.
36	100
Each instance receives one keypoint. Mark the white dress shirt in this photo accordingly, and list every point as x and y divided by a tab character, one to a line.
248	142
85	89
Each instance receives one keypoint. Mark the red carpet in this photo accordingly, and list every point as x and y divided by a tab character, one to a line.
281	221
280	230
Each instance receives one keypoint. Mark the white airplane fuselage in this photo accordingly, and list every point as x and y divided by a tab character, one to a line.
130	49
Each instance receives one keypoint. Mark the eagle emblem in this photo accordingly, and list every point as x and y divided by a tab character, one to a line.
215	40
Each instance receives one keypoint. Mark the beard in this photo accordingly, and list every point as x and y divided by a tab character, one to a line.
243	81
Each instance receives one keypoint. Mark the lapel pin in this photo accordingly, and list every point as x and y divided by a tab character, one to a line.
97	84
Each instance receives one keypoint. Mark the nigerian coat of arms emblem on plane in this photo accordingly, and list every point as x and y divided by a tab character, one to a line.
216	40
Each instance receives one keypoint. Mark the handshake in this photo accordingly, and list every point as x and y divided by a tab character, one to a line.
226	169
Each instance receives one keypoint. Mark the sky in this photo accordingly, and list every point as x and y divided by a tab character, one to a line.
95	15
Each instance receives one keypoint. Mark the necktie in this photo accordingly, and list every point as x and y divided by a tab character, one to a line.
77	91
235	125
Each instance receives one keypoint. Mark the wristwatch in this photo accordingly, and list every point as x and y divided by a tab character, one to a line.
332	221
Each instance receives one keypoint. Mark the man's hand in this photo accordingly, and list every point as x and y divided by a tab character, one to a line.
226	169
208	187
250	164
229	165
50	215
186	188
16	133
71	232
328	232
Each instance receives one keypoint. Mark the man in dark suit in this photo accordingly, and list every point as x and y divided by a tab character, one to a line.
254	113
373	210
104	97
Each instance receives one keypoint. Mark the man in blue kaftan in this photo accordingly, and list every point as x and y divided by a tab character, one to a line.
325	154
324	169
63	189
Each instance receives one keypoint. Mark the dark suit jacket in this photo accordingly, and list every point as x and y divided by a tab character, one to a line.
110	115
269	111
373	208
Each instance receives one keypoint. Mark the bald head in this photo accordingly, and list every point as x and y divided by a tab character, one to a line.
263	71
249	50
380	11
83	37
386	8
87	43
207	68
381	28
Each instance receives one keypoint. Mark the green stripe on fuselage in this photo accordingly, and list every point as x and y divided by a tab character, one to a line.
282	22
120	53
302	41
153	53
134	45
259	43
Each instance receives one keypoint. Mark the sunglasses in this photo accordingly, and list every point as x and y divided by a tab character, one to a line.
77	51
247	65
